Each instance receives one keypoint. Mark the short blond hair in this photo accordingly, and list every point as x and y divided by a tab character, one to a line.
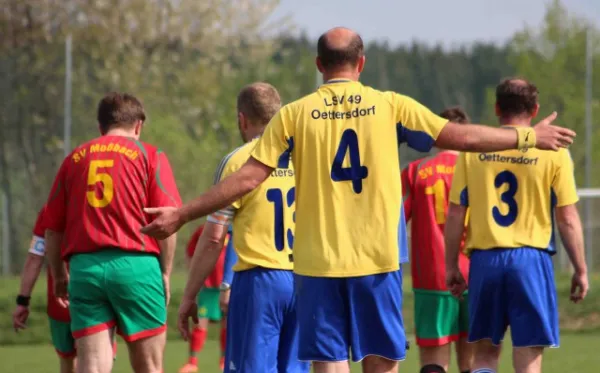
259	102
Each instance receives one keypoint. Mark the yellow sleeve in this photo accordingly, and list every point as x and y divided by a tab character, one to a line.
459	192
416	117
228	166
278	139
563	183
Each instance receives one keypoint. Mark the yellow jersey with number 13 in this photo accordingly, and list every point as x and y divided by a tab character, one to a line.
263	220
511	196
343	140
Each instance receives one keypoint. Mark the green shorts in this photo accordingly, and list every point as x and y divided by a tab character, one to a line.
62	339
117	288
208	304
440	318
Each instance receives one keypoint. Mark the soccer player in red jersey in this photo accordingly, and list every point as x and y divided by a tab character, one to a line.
60	328
117	276
208	307
440	319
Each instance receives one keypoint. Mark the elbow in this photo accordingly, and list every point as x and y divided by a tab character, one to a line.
250	183
469	143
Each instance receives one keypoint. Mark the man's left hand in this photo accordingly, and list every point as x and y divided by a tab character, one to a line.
61	285
456	282
168	221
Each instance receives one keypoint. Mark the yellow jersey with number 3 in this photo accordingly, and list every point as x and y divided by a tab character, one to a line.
343	140
511	196
263	220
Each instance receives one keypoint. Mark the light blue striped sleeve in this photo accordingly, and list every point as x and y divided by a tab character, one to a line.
230	260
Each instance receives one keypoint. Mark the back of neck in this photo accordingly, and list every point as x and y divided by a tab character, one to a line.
515	121
121	132
340	74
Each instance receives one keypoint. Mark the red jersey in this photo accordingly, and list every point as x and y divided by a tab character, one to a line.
216	277
54	310
426	184
100	191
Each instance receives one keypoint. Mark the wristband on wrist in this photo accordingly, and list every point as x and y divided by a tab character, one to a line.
22	300
526	138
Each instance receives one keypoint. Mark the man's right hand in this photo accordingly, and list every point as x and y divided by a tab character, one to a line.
551	137
224	300
167	286
187	309
579	287
20	316
61	285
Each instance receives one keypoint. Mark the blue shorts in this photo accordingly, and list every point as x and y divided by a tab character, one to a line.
361	314
513	287
262	329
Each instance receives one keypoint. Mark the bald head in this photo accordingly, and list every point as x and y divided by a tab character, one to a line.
340	47
516	97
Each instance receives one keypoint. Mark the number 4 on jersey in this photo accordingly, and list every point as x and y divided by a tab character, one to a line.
355	173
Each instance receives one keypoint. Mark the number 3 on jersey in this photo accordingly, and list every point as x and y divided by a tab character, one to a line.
508	197
95	176
355	173
275	196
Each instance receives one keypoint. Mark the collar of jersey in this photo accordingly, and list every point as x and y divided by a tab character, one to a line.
332	81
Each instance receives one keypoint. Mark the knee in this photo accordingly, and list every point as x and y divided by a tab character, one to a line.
378	363
432	368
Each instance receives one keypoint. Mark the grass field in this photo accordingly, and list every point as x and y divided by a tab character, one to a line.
28	351
578	353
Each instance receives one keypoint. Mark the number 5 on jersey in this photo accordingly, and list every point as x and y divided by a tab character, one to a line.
97	175
355	173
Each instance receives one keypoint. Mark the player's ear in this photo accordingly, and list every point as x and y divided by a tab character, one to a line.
361	63
138	127
319	65
497	110
100	129
535	111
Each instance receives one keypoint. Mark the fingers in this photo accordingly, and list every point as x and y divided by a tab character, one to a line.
152	210
550	118
63	302
195	318
150	228
183	326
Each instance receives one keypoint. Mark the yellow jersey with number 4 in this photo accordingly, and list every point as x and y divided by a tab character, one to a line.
511	196
263	220
343	140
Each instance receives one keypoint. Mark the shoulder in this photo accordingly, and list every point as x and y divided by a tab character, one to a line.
234	159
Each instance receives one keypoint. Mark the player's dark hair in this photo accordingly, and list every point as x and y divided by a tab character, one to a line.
515	96
119	110
332	55
259	102
456	114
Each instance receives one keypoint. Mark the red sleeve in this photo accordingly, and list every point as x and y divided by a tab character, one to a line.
407	190
162	188
191	246
39	229
55	213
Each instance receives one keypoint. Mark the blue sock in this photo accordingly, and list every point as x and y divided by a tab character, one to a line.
483	370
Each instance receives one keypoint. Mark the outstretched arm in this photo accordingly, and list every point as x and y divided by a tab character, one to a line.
479	138
221	195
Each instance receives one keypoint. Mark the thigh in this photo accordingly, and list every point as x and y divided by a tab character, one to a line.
254	321
323	318
94	352
89	306
62	338
136	293
287	355
376	324
146	355
533	308
436	318
488	317
208	304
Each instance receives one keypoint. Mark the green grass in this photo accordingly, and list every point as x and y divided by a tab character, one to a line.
578	353
30	350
